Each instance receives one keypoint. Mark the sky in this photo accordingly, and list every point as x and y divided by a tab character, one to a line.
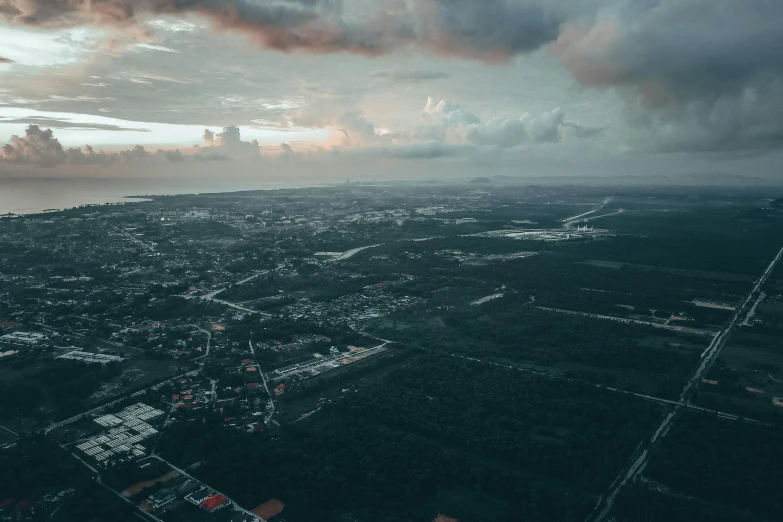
392	88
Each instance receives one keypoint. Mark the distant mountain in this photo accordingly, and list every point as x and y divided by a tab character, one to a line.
481	181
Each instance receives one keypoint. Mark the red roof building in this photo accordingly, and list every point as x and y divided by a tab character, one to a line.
246	361
214	502
252	385
175	396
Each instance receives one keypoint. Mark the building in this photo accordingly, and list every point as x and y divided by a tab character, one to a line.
89	357
125	431
18	338
214	503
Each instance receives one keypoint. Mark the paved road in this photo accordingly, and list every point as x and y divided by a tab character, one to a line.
188	475
595	209
709	356
271	403
209	341
681	329
650	398
352	252
97	476
98	409
211	297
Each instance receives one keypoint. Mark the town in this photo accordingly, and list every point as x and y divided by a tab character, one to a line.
546	353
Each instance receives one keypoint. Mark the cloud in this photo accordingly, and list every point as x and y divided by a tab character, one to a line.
493	30
401	75
696	75
40	147
226	145
65	124
443	120
423	150
5	60
287	152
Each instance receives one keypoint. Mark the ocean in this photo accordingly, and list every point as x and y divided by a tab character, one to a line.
31	195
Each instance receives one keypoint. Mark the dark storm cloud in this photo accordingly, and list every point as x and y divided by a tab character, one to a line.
492	30
64	124
484	29
697	75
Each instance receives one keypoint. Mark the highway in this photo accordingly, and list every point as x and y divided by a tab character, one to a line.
709	356
595	209
211	297
350	253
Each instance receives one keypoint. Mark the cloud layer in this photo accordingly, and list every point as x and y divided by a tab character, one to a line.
443	120
481	29
40	147
695	75
444	129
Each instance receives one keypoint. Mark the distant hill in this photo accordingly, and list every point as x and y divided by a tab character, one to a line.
481	181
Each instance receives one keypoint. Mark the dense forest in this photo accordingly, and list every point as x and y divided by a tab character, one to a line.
723	461
436	434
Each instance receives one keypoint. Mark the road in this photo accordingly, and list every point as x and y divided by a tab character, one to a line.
352	252
211	297
98	409
583	214
650	398
271	403
681	329
184	473
6	431
605	503
150	246
591	218
209	342
97	476
752	312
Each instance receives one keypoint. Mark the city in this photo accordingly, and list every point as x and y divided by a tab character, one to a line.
387	351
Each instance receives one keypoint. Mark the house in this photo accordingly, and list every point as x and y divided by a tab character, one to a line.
199	496
214	502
